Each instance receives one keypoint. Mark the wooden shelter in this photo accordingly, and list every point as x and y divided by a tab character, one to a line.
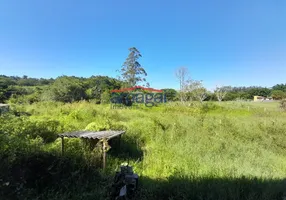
96	136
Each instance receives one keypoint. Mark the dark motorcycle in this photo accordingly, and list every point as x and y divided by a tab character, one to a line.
125	184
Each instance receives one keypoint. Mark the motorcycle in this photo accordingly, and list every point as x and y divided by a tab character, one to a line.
125	184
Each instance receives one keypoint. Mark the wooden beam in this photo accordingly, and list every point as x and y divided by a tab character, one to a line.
103	154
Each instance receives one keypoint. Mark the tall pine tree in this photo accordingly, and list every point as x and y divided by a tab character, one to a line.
132	72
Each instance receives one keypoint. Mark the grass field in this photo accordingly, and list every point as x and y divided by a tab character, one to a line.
228	150
268	105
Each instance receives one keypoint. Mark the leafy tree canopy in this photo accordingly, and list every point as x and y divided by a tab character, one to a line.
281	87
132	72
278	94
170	94
67	89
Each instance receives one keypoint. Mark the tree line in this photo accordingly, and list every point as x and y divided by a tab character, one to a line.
63	88
191	89
97	88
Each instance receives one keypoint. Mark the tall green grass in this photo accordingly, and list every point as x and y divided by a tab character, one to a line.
184	145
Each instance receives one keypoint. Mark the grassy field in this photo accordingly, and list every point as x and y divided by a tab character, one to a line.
267	105
228	150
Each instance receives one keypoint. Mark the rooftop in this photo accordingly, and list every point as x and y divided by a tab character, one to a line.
92	134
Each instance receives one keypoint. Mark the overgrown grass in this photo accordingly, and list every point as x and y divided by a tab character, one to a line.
195	151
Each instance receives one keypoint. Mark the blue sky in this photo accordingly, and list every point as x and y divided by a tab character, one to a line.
226	42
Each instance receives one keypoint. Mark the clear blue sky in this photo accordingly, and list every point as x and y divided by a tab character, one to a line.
229	42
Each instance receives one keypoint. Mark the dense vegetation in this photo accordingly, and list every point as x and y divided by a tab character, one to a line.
181	150
197	151
64	88
97	88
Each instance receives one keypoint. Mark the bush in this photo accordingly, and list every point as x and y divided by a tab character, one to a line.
47	130
105	97
283	104
23	128
99	125
41	175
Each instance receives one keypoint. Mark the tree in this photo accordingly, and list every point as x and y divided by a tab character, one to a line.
201	94
221	92
96	85
105	97
181	74
67	89
281	87
170	94
196	90
246	92
258	91
132	71
278	94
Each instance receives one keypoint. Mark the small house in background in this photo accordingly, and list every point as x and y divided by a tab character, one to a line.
269	99
259	98
4	108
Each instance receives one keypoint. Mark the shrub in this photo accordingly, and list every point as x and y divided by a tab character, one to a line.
41	175
105	97
47	130
99	125
283	104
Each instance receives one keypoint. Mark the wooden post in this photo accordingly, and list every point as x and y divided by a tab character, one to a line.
103	154
119	141
63	146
